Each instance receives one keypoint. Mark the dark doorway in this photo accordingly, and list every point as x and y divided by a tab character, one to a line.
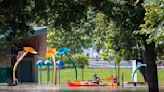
25	73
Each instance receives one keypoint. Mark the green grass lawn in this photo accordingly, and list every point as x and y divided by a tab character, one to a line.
68	74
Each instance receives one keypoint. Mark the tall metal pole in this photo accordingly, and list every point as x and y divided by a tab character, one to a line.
122	80
82	68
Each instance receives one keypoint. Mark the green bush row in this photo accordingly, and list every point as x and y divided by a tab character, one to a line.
78	59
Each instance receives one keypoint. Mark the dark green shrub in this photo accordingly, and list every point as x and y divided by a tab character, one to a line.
80	58
76	58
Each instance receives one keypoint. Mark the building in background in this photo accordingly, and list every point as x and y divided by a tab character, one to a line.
27	71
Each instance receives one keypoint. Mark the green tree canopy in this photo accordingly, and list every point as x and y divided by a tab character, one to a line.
14	20
110	23
153	27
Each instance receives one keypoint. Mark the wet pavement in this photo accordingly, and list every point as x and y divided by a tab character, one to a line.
62	88
28	87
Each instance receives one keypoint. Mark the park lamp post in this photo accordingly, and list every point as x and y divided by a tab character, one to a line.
82	69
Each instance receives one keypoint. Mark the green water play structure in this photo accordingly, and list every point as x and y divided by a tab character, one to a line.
47	64
137	68
64	51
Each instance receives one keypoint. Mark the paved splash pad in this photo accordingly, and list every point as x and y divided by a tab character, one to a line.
28	87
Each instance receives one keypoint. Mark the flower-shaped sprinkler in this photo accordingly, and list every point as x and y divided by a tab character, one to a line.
21	55
59	63
39	64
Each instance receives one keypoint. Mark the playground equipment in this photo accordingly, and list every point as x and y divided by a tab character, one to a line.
134	75
48	64
63	51
39	64
59	63
79	84
137	68
52	52
21	55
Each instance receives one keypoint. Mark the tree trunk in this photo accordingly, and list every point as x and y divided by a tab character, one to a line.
142	70
151	70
